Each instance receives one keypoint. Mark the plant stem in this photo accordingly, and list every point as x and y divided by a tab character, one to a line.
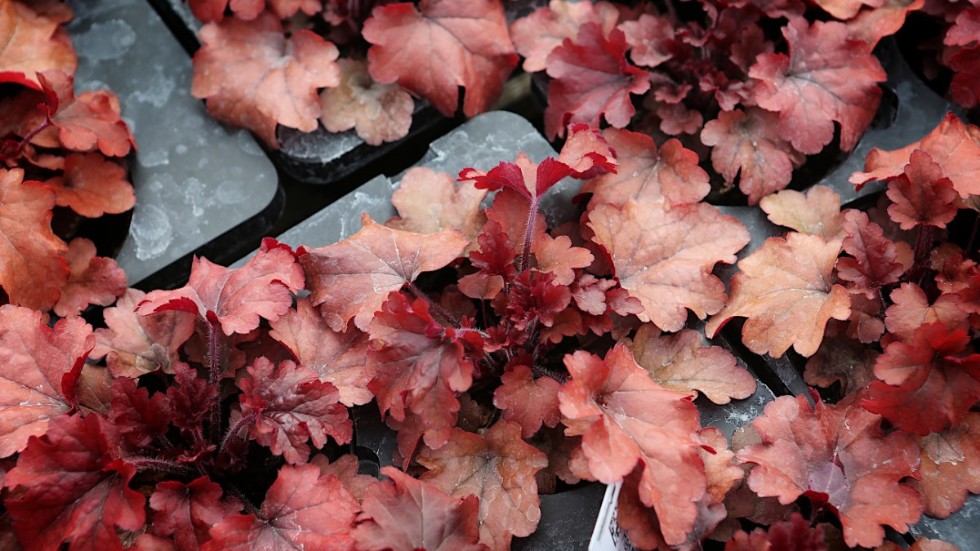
217	359
235	429
30	135
434	306
166	465
532	213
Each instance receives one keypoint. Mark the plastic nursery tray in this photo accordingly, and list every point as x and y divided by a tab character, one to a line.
200	187
567	517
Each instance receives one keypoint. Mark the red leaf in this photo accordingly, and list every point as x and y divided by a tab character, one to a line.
92	186
524	176
428	201
921	195
681	362
625	420
291	405
785	290
826	77
592	79
953	145
87	122
874	261
670	176
928	382
238	297
433	50
352	278
33	43
191	397
746	145
93	279
539	33
530	402
836	454
38	367
32	264
378	112
302	510
71	489
134	344
950	468
420	367
345	468
816	212
253	76
338	358
587	152
405	513
135	415
497	467
187	511
665	258
794	534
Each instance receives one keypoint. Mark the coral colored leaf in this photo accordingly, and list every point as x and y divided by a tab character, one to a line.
953	145
92	186
681	362
825	78
352	278
37	363
420	367
93	279
870	26
950	469
670	175
911	309
592	80
625	419
134	344
786	290
87	122
428	201
345	468
929	381
795	533
253	76
665	258
302	510
377	112
238	297
540	32
32	265
845	9
836	454
73	490
499	468
587	152
815	212
747	146
442	45
556	255
291	405
32	43
874	261
338	358
186	511
649	38
921	195
405	513
528	401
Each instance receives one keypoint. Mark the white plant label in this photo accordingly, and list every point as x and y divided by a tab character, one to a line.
607	536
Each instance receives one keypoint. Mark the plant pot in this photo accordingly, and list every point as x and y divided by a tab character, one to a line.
201	188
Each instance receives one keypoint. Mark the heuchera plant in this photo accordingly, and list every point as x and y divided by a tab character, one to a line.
57	150
513	358
959	50
757	86
263	64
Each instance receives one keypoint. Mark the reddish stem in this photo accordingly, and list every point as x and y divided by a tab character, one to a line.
233	431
